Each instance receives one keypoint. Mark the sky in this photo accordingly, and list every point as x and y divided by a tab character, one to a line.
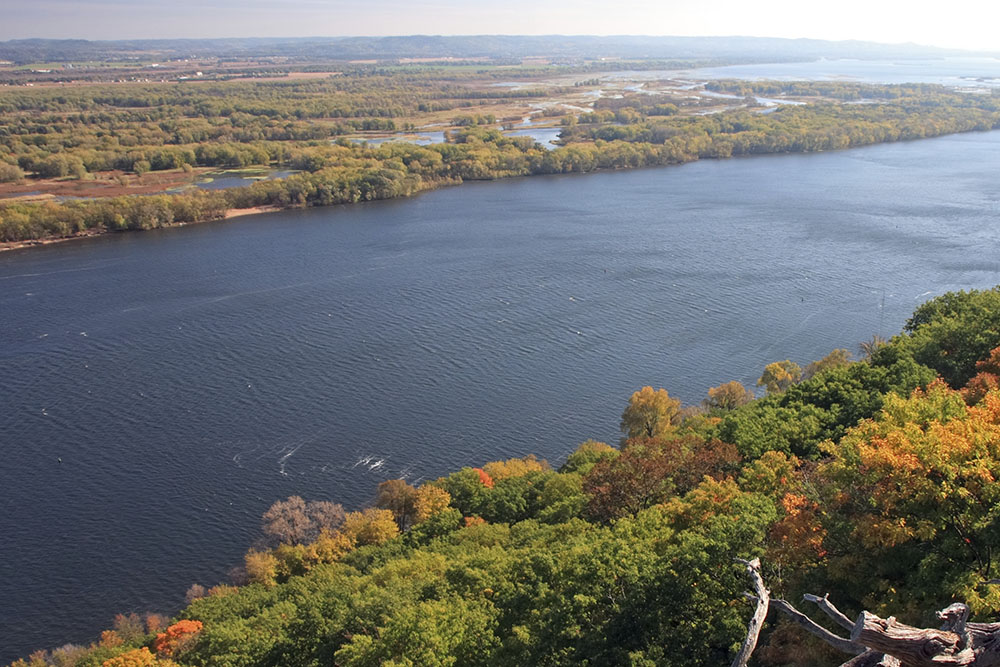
968	24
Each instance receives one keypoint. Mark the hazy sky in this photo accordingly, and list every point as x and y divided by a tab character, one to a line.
971	24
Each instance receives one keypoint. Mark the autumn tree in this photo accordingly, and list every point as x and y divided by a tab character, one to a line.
650	414
371	526
587	455
430	500
261	567
779	376
728	396
176	638
295	521
986	379
909	502
399	498
649	471
129	626
140	657
836	359
516	467
195	592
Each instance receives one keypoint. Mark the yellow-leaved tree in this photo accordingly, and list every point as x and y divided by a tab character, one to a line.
650	414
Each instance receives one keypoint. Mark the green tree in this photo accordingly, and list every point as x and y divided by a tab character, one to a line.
10	173
954	331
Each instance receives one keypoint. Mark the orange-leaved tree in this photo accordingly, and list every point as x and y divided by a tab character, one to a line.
986	379
176	638
910	502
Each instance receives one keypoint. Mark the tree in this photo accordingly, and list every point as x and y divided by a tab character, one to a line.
430	501
372	526
836	359
587	455
649	471
399	498
176	638
294	521
140	657
129	627
954	331
908	505
779	376
261	567
10	173
650	414
499	470
986	379
728	396
870	346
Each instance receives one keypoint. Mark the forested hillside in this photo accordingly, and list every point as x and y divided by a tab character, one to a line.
872	480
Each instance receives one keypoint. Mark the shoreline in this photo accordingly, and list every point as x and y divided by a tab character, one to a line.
256	210
33	243
240	212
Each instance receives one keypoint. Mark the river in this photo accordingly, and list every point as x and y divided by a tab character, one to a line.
161	389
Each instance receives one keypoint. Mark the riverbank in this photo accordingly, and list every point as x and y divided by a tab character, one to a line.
32	243
480	155
90	233
256	210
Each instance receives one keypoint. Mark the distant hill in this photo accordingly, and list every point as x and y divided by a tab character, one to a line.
471	46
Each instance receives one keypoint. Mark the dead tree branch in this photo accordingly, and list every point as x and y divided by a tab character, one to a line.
811	626
827	607
760	613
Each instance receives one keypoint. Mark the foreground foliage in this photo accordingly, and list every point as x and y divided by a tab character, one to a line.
874	480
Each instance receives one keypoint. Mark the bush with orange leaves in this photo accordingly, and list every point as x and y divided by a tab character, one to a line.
986	379
797	539
111	639
176	638
484	477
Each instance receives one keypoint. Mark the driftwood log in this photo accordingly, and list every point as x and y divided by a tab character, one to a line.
882	642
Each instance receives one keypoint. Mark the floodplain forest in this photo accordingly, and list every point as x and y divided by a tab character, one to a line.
72	157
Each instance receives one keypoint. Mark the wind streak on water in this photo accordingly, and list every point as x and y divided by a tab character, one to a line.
351	345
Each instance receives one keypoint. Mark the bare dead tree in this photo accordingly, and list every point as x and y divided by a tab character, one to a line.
878	642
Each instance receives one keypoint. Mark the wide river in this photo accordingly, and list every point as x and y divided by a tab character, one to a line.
160	390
